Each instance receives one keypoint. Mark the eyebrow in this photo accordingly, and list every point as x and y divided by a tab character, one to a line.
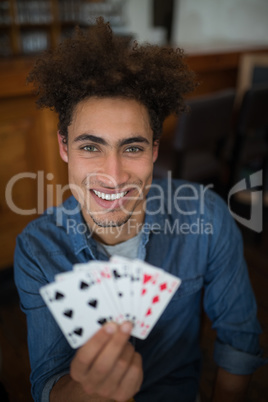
90	137
131	140
101	141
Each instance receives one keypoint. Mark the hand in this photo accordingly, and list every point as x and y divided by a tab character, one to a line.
107	365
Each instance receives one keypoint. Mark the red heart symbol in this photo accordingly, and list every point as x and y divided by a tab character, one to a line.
155	299
147	278
149	312
143	291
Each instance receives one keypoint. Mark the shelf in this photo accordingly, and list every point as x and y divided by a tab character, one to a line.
34	25
55	17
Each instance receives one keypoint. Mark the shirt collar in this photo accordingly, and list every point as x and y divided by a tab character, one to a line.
70	217
155	213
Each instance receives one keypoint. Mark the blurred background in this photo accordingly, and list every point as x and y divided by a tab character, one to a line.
222	141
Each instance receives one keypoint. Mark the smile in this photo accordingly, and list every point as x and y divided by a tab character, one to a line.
110	197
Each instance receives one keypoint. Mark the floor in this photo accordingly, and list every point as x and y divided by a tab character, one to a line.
14	375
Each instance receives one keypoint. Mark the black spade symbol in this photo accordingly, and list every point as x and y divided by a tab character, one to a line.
68	313
102	321
83	285
59	296
78	331
93	303
116	274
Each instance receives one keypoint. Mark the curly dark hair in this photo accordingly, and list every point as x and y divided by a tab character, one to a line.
98	63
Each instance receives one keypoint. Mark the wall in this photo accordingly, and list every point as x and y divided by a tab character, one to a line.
139	22
204	21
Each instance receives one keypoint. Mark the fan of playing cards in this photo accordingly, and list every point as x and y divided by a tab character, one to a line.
118	290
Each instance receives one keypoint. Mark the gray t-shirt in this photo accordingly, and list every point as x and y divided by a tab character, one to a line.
128	248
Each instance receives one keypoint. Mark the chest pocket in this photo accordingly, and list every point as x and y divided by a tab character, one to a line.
183	302
188	287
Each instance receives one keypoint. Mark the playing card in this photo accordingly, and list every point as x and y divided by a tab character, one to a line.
160	296
149	278
101	270
135	275
121	289
77	306
101	273
121	275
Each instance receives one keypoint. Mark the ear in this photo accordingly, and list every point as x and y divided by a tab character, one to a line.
63	147
155	150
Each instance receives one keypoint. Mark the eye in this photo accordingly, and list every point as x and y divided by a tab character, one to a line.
90	148
133	149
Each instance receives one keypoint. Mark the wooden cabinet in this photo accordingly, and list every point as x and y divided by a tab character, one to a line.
30	167
30	26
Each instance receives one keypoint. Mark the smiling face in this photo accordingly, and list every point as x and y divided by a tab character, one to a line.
110	155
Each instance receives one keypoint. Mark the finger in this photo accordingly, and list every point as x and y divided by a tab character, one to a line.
131	382
110	384
106	360
86	355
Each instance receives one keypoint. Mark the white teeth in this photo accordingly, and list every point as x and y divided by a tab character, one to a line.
110	197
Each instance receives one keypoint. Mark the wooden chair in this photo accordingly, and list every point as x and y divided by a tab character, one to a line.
251	153
196	152
251	132
252	70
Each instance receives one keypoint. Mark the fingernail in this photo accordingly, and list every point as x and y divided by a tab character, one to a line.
126	327
110	328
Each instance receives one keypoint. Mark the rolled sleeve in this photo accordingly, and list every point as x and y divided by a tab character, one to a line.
235	361
229	299
50	384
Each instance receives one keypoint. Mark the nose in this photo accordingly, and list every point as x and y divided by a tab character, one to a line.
114	171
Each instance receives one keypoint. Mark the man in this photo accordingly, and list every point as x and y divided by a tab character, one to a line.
111	102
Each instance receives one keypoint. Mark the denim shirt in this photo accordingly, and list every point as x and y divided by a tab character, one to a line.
189	233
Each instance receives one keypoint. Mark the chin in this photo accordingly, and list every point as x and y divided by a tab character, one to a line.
110	222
